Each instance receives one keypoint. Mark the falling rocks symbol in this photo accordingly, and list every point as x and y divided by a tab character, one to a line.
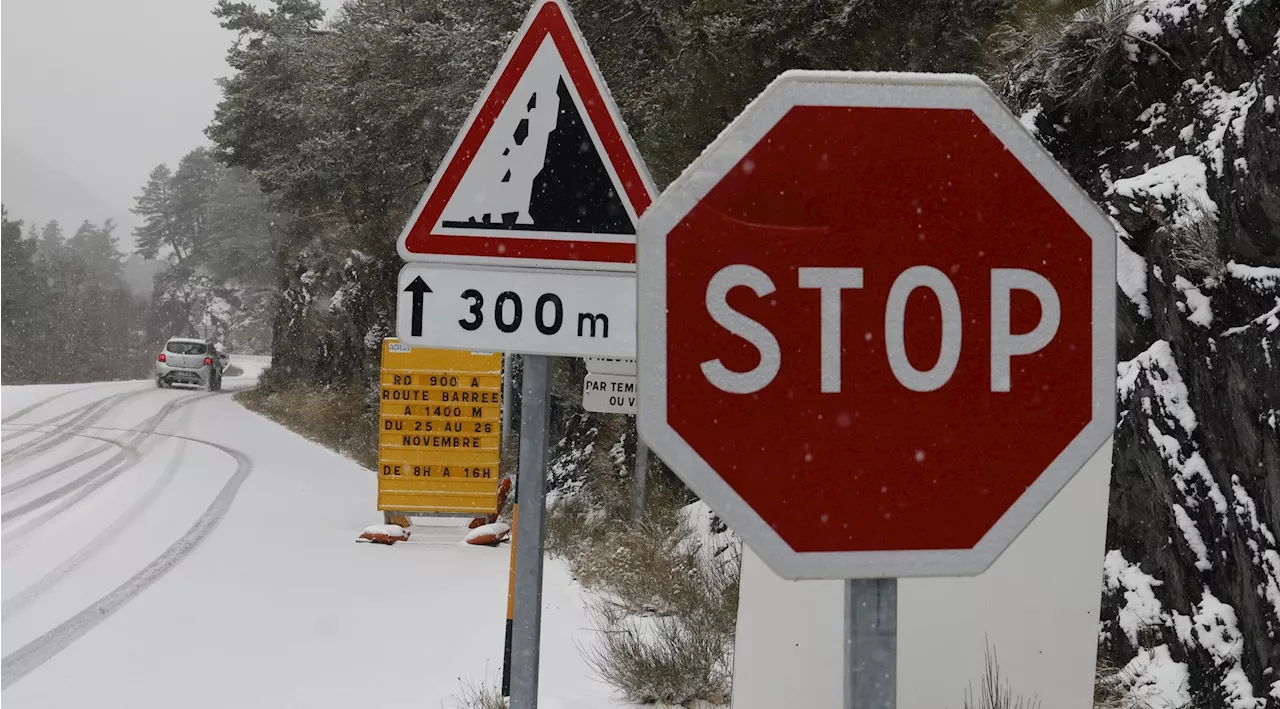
573	192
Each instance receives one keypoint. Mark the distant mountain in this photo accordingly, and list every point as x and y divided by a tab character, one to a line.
35	192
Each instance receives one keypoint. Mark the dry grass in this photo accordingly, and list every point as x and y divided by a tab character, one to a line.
641	566
995	692
1080	61
339	418
479	695
1196	244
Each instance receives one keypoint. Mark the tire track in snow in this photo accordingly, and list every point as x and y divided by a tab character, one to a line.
60	465
81	418
128	454
28	409
20	451
100	474
21	662
20	600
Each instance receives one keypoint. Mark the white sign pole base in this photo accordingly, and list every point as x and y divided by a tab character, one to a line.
1036	608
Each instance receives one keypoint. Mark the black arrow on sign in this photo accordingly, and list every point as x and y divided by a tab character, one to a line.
417	287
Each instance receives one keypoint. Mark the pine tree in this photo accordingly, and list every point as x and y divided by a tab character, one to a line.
191	189
23	298
156	205
97	247
51	241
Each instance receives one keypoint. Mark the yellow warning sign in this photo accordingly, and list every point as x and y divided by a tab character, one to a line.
439	430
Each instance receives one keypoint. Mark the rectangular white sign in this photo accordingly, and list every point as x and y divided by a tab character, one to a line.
611	365
609	394
547	312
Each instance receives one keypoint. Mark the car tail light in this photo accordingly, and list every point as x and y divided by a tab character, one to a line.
161	358
208	360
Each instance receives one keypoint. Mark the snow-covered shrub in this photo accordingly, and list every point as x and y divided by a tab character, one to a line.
685	655
664	589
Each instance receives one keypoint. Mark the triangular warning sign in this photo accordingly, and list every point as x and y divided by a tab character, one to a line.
543	173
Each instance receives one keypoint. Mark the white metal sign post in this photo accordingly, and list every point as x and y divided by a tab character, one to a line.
524	242
774	282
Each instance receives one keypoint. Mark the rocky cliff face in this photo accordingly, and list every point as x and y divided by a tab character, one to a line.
1168	113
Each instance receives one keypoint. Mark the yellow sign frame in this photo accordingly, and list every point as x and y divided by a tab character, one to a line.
439	431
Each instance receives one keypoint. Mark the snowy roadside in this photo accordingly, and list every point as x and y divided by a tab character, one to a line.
278	606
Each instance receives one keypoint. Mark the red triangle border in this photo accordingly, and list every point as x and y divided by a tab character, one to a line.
420	239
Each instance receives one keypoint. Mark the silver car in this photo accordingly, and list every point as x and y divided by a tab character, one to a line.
190	362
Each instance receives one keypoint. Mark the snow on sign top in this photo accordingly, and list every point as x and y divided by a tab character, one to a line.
543	173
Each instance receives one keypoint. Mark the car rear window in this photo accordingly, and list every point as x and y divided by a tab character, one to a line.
186	348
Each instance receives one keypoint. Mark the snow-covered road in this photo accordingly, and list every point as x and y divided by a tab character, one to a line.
169	547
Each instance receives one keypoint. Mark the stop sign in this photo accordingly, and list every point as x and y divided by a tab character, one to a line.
876	326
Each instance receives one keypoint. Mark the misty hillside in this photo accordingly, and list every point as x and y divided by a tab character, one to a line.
40	193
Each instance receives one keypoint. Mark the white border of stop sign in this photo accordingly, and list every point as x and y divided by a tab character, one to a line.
849	89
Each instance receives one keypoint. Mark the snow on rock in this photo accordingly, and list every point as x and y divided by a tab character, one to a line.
488	534
1162	371
1153	679
1225	109
1260	279
384	533
1198	303
1178	187
1269	321
1192	535
1266	559
1029	117
1232	21
1131	273
1218	633
1155	113
1141	607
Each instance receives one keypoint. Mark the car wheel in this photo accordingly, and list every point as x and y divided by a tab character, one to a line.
208	383
159	382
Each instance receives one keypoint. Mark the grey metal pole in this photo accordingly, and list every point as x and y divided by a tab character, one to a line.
637	490
506	401
871	644
531	496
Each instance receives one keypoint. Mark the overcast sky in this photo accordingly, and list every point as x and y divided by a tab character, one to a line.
103	90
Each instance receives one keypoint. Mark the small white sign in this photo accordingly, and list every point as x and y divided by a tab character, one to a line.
611	365
609	394
548	312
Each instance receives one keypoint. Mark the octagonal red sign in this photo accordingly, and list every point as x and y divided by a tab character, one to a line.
876	326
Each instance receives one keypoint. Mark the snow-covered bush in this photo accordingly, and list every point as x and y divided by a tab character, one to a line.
684	652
